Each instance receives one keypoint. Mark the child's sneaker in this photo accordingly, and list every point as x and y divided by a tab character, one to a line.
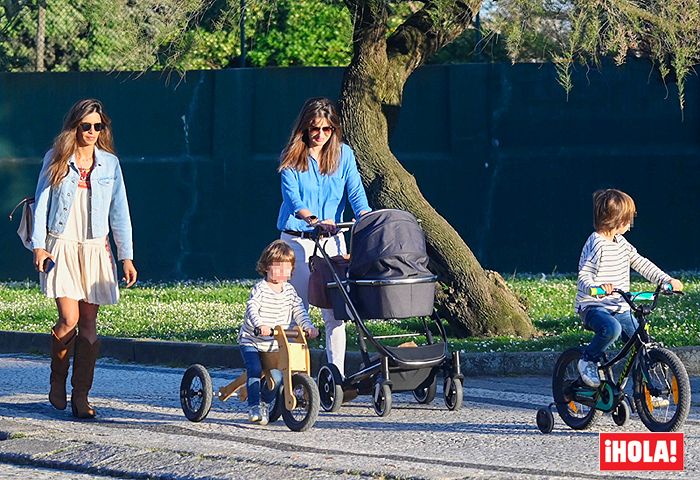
254	414
264	415
589	373
659	402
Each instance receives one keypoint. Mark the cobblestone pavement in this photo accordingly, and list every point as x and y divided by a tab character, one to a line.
142	433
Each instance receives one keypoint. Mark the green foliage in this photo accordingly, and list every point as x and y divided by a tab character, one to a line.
213	311
202	34
311	33
94	34
665	31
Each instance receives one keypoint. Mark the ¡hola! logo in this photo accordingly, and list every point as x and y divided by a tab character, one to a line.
641	451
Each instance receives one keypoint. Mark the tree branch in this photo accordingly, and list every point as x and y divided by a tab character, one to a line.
428	30
369	18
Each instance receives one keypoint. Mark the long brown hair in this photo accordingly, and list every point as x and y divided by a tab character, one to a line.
296	154
66	143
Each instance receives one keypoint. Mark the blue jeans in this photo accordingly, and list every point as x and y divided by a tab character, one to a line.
253	366
607	326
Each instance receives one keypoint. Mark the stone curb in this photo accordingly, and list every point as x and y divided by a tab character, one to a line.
181	354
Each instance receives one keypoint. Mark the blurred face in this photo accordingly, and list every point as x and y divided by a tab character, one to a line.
279	272
319	132
89	129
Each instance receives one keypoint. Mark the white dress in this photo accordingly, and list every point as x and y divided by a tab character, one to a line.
85	268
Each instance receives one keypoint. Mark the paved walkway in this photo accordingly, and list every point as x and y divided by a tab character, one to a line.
142	433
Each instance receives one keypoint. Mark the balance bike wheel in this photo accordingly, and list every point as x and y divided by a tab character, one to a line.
304	415
196	393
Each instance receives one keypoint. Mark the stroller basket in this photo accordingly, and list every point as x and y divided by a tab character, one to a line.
385	298
423	356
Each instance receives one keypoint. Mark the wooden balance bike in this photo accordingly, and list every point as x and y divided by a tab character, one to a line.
296	401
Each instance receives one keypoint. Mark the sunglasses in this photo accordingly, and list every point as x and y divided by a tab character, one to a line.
327	130
85	127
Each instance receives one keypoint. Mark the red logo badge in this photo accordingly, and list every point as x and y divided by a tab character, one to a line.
641	451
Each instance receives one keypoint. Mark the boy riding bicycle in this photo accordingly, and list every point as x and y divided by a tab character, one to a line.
605	262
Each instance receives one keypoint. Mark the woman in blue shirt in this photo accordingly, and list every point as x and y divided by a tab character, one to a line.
80	197
319	176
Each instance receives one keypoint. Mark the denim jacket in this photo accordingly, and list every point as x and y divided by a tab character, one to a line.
109	207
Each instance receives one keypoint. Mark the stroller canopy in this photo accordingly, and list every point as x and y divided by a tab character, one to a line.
387	244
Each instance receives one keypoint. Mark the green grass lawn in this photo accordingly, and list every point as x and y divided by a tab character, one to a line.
213	311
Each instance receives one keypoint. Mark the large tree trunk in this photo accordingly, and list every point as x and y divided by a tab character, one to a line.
475	301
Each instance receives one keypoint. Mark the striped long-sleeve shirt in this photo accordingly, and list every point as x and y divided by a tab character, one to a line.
609	261
270	308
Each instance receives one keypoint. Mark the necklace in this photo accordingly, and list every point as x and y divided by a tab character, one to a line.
83	164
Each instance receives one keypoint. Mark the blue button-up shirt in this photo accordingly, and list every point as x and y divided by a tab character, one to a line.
324	195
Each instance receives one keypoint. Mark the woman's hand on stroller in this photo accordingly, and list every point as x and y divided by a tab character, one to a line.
327	226
311	332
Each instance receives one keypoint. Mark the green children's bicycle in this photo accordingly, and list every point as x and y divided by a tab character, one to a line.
661	389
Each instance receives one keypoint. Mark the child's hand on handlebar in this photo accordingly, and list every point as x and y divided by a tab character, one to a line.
312	332
608	287
677	285
264	331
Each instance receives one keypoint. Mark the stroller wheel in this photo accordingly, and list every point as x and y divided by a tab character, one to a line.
452	390
196	393
329	388
426	395
381	399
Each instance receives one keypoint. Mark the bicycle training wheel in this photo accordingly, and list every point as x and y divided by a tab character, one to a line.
663	399
196	393
564	382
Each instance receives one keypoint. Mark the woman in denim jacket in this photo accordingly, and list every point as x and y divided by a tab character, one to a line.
79	196
319	176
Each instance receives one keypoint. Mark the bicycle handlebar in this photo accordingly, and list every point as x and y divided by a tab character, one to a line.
630	297
291	333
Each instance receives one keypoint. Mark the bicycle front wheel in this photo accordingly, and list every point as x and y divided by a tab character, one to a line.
662	399
565	381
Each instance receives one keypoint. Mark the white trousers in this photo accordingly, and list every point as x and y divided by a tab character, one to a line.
335	329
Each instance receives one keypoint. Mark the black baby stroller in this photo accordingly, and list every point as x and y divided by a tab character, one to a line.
387	278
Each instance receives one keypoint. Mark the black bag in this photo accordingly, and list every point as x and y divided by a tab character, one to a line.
321	275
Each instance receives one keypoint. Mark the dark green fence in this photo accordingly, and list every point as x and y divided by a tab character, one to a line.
496	149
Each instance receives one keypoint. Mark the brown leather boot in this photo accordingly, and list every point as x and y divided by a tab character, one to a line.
61	351
83	373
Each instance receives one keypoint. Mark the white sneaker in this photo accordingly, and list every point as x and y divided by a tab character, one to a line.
589	373
659	402
254	414
264	414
